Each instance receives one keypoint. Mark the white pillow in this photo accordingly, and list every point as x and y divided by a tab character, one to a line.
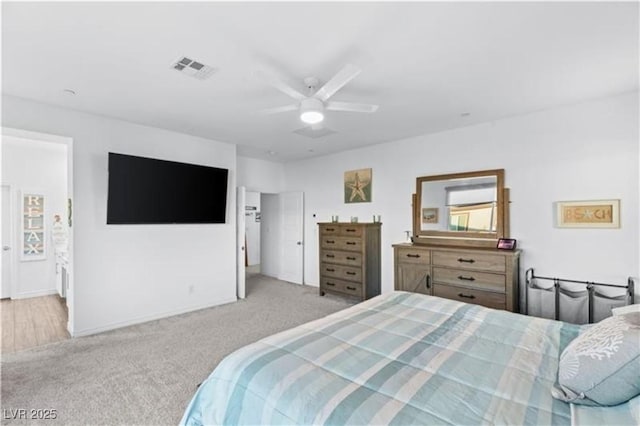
626	309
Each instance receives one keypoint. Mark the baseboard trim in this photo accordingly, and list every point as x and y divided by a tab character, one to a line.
147	318
37	293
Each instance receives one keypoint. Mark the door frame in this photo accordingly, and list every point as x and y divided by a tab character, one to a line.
241	271
68	141
12	238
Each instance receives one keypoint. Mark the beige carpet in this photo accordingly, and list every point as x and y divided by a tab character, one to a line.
147	373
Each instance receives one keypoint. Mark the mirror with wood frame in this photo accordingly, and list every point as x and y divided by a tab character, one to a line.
467	209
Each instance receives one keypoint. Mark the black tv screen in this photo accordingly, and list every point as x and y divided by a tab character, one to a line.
147	191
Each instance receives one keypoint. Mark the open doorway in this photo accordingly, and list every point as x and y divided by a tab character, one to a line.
270	237
253	218
36	236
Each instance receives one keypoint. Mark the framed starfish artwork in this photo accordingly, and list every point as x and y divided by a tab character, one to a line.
357	186
588	214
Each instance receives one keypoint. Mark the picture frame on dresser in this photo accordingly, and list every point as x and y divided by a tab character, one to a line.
506	244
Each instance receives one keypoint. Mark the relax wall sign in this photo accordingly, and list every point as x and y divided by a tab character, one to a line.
33	227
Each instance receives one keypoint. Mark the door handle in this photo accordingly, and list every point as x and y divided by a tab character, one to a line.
299	243
6	248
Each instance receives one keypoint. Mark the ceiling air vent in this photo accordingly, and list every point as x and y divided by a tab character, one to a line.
193	68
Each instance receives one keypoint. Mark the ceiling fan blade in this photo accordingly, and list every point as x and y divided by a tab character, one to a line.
279	109
345	75
351	107
284	88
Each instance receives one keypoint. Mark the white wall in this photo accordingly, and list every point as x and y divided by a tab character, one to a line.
581	152
29	165
260	175
133	273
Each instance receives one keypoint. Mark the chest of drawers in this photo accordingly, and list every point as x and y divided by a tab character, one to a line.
487	277
350	259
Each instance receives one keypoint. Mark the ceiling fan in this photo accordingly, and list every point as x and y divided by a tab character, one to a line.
312	106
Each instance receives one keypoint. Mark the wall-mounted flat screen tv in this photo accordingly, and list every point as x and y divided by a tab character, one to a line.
149	191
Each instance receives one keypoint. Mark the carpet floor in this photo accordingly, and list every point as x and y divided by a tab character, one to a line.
146	374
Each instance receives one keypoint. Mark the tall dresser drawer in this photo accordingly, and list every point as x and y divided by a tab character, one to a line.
478	297
341	257
414	256
333	284
329	230
341	243
481	280
351	231
465	260
343	272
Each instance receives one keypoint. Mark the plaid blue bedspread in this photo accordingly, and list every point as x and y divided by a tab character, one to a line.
399	358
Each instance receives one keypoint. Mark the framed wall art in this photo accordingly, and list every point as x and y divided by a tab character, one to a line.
588	214
357	186
33	226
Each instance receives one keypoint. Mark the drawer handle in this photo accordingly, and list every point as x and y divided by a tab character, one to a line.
462	277
330	270
330	255
350	273
330	242
330	229
351	258
351	243
413	255
461	260
466	296
330	284
351	230
351	288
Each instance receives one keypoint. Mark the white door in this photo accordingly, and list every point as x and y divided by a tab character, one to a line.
292	259
7	246
240	236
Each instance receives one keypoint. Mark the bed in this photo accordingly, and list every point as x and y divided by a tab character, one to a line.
400	358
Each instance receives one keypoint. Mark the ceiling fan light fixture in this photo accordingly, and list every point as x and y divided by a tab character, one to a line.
311	117
311	111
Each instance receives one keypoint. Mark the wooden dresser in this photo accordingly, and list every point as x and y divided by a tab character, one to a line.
350	259
487	277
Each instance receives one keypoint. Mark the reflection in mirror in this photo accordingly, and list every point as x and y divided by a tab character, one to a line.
461	208
460	205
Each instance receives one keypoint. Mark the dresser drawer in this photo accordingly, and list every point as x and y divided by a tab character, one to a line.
343	272
414	256
465	260
332	284
341	243
329	230
481	280
341	257
351	231
478	297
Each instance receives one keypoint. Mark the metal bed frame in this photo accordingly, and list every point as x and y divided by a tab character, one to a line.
591	285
